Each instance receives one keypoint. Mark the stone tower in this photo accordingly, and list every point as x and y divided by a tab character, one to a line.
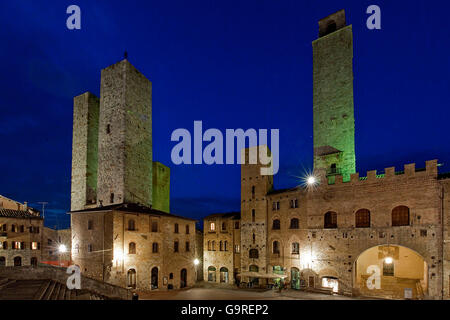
334	123
84	151
125	136
254	188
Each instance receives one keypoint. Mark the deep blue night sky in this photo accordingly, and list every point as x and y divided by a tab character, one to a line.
231	64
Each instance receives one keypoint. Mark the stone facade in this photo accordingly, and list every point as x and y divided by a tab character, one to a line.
125	136
221	247
334	123
328	234
21	230
84	151
161	187
132	246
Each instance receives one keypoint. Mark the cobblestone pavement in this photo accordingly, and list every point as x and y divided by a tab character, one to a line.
227	293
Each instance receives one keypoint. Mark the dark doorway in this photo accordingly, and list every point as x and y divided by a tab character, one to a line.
17	261
34	262
131	278
154	278
183	278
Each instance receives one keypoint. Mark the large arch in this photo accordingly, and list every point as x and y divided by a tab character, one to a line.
400	272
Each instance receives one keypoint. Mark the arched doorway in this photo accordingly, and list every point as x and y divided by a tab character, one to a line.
131	278
211	274
17	261
183	278
154	278
224	275
2	261
295	278
253	268
391	271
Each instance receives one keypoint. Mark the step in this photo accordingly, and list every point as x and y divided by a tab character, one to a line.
41	292
56	291
62	293
49	290
7	283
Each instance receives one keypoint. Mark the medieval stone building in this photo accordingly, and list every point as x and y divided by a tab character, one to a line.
377	234
122	230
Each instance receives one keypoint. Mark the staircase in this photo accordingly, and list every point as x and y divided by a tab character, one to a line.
42	290
393	288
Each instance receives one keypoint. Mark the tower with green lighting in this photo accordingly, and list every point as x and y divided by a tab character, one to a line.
334	122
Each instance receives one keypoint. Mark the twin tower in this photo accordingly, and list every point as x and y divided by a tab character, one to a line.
112	144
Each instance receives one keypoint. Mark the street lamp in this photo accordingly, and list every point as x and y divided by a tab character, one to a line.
196	262
62	248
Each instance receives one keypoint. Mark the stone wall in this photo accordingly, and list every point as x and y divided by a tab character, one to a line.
125	136
25	238
334	123
60	274
84	151
161	187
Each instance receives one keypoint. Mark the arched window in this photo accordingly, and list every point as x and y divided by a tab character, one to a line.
224	275
171	276
225	246
155	247
209	245
213	246
400	216
224	226
253	191
212	274
276	224
330	220
254	237
362	218
131	278
132	248
253	215
295	248
17	261
253	254
131	225
294	223
275	247
253	268
176	228
221	246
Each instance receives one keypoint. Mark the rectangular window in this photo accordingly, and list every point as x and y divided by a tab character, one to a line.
154	226
423	233
34	246
237	248
187	246
212	226
16	245
388	269
236	225
90	248
175	246
90	225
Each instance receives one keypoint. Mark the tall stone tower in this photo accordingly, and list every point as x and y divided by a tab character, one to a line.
125	136
254	188
84	151
334	123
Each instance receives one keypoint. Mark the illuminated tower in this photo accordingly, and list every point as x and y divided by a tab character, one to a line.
334	122
125	136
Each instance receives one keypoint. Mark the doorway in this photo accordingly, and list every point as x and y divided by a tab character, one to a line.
183	278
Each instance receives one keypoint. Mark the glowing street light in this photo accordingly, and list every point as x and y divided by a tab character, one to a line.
62	248
196	262
388	260
311	180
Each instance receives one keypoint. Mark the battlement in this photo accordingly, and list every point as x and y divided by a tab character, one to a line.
410	171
